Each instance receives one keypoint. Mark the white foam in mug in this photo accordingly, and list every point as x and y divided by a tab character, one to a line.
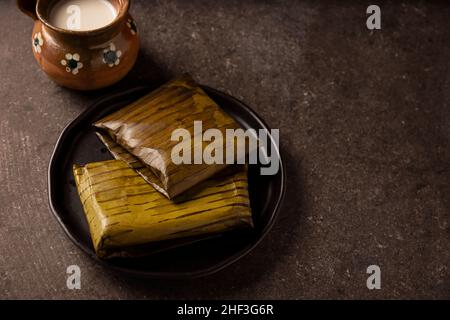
82	15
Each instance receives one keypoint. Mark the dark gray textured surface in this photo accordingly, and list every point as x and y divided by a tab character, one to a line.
364	119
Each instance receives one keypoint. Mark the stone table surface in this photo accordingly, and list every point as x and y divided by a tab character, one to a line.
364	119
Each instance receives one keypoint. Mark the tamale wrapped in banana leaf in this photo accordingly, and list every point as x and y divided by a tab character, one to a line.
144	129
120	153
124	211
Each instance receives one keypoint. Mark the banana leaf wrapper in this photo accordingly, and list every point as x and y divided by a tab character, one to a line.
126	215
120	153
144	129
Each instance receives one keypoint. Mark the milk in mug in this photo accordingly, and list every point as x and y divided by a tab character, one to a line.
82	15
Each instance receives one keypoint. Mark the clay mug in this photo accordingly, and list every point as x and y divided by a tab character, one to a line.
83	60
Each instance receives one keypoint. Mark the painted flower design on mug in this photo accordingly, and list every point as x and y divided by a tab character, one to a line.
72	63
132	25
111	56
38	42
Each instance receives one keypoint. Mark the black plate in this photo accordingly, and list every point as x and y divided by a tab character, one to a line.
78	144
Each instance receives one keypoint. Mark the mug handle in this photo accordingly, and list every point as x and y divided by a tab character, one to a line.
28	7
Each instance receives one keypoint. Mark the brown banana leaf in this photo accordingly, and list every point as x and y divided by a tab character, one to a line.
120	153
144	129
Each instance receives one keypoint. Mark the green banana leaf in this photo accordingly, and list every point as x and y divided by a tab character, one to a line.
124	211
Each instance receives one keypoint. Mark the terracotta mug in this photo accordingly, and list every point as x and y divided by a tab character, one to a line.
83	60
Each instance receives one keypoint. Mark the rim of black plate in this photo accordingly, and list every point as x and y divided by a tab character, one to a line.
151	274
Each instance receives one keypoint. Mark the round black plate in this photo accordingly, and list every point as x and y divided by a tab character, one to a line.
78	144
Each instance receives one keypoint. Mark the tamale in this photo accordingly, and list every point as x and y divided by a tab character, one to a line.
124	211
120	153
144	129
